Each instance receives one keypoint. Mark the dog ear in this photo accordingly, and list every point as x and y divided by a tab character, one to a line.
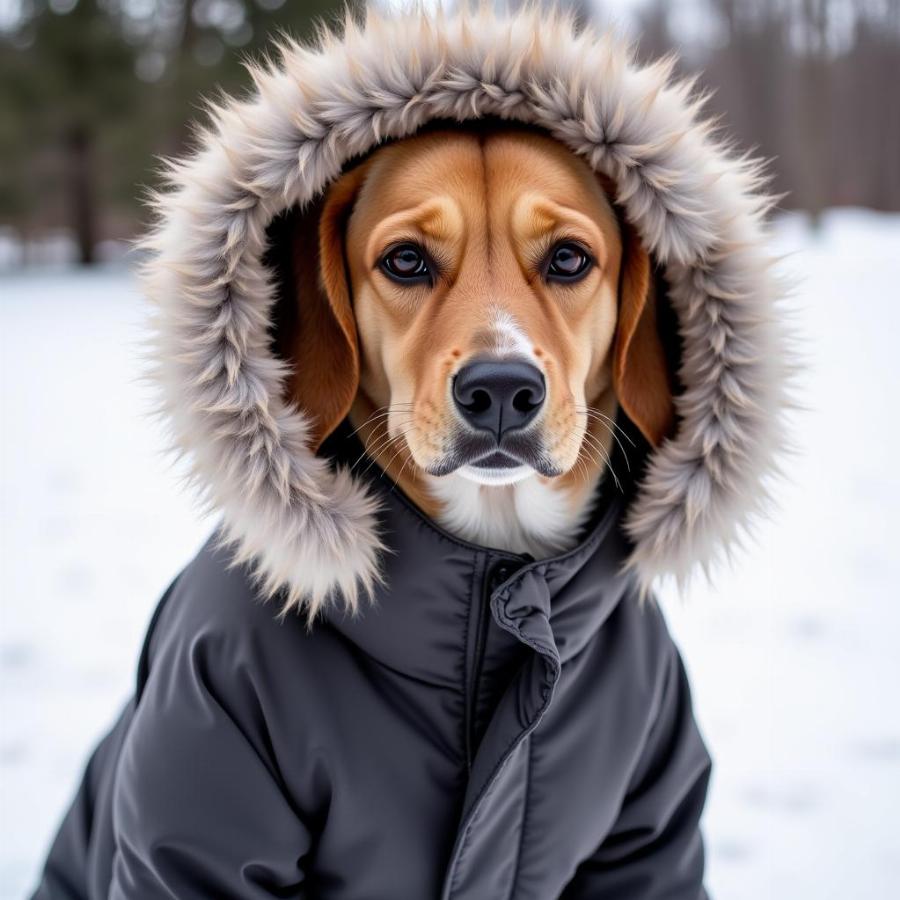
325	350
640	373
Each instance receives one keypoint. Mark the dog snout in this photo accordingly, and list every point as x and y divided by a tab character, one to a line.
499	396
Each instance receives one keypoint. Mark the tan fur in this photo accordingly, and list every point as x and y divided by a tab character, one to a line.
487	206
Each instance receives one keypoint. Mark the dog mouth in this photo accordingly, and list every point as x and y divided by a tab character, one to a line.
484	453
496	460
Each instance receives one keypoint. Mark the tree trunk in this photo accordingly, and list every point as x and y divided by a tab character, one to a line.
81	188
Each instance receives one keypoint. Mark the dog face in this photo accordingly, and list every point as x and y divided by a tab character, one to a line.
483	305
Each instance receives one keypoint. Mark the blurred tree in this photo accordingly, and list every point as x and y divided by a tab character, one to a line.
72	77
805	83
93	91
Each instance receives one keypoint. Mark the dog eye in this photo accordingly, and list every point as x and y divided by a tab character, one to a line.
568	262
405	263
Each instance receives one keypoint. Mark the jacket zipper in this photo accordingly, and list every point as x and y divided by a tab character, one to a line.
496	575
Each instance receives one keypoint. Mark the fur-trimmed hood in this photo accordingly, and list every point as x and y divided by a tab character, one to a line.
312	532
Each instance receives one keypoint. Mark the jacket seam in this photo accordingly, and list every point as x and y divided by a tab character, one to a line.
479	808
490	786
516	867
467	712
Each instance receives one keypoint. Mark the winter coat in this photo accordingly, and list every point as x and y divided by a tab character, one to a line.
458	722
493	727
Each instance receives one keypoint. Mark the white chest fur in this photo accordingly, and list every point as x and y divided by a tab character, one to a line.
529	516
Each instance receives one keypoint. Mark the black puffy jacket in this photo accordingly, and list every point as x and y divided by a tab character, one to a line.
492	727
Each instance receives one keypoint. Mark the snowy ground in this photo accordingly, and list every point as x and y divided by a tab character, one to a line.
794	656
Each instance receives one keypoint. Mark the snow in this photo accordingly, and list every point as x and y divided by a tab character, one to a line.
793	653
93	529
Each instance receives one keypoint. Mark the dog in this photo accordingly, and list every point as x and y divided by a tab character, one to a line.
439	672
481	314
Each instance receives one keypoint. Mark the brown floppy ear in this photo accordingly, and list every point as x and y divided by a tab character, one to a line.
324	345
640	374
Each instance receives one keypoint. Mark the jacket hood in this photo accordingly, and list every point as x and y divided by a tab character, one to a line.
310	530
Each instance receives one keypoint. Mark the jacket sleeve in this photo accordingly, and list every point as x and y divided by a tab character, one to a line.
655	849
199	809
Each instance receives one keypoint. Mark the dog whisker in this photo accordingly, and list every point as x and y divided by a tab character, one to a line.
379	413
381	443
595	452
374	448
400	473
611	427
382	412
374	452
380	425
607	460
594	442
385	443
592	410
404	447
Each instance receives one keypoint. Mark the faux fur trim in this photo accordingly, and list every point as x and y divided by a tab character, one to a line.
698	208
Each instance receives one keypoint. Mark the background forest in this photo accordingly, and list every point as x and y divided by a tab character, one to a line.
92	92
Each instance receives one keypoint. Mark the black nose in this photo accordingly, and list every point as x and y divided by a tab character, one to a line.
498	396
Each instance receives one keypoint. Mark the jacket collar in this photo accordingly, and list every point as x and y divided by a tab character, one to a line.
433	581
